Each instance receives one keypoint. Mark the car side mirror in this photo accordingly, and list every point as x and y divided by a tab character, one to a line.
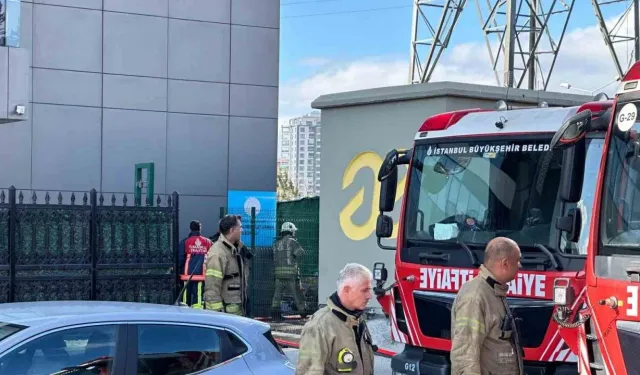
572	130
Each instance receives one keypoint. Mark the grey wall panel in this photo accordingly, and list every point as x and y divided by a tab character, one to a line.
254	55
19	88
201	10
65	87
26	28
199	97
135	45
199	51
151	7
4	81
67	38
254	101
204	209
197	154
130	137
60	135
15	153
252	153
135	92
91	4
264	13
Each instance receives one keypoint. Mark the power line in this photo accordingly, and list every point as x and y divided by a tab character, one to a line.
306	2
347	11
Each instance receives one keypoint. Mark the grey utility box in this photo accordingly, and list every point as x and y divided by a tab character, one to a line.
14	84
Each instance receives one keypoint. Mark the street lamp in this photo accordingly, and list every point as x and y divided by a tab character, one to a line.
569	86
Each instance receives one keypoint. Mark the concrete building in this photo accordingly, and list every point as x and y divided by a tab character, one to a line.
359	128
190	85
300	152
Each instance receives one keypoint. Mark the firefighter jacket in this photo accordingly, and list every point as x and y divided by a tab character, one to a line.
192	253
286	251
224	287
484	335
335	341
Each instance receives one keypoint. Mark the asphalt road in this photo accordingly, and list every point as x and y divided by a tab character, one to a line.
380	334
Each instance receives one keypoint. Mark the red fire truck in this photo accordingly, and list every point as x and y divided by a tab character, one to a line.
606	332
474	175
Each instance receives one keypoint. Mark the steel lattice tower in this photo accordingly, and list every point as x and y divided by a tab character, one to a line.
523	37
614	35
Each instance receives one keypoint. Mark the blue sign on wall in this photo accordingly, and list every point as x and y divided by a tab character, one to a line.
239	202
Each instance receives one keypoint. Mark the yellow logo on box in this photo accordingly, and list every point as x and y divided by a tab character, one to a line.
362	161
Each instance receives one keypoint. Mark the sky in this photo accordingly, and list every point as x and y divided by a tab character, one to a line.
329	46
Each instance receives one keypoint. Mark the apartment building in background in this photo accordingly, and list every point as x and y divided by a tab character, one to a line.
300	150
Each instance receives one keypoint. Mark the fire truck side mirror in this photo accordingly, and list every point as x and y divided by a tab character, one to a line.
572	130
388	192
571	224
572	174
384	226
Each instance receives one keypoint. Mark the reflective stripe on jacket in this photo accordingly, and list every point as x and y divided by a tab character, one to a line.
479	344
329	345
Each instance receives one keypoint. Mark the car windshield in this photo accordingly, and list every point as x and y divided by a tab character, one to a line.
475	191
620	217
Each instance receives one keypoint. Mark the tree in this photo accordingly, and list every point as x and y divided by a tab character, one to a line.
286	190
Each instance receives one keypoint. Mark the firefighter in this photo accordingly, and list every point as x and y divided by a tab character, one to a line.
225	284
192	253
247	255
485	338
286	252
336	339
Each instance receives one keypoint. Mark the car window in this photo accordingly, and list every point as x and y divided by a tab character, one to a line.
183	349
79	351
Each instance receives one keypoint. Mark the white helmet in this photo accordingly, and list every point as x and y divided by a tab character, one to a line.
288	227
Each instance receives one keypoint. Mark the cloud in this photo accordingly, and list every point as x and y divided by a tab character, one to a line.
314	62
584	61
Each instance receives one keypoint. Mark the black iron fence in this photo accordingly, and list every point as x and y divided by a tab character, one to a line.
260	230
87	247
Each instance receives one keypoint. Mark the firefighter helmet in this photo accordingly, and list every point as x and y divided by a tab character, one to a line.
288	227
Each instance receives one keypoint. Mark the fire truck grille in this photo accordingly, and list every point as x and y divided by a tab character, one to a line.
434	316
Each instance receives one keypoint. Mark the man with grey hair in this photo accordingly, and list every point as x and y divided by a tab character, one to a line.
484	335
336	338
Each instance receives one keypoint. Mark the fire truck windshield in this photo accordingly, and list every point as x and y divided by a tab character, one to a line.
620	216
471	192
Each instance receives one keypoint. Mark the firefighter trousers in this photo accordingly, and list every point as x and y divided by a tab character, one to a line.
192	295
291	287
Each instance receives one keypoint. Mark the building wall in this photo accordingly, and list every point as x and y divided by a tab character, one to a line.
191	85
359	137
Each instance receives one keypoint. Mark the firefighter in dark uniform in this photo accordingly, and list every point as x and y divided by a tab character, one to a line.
225	284
286	254
192	253
337	340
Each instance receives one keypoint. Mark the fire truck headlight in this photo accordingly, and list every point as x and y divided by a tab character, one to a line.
562	292
560	296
